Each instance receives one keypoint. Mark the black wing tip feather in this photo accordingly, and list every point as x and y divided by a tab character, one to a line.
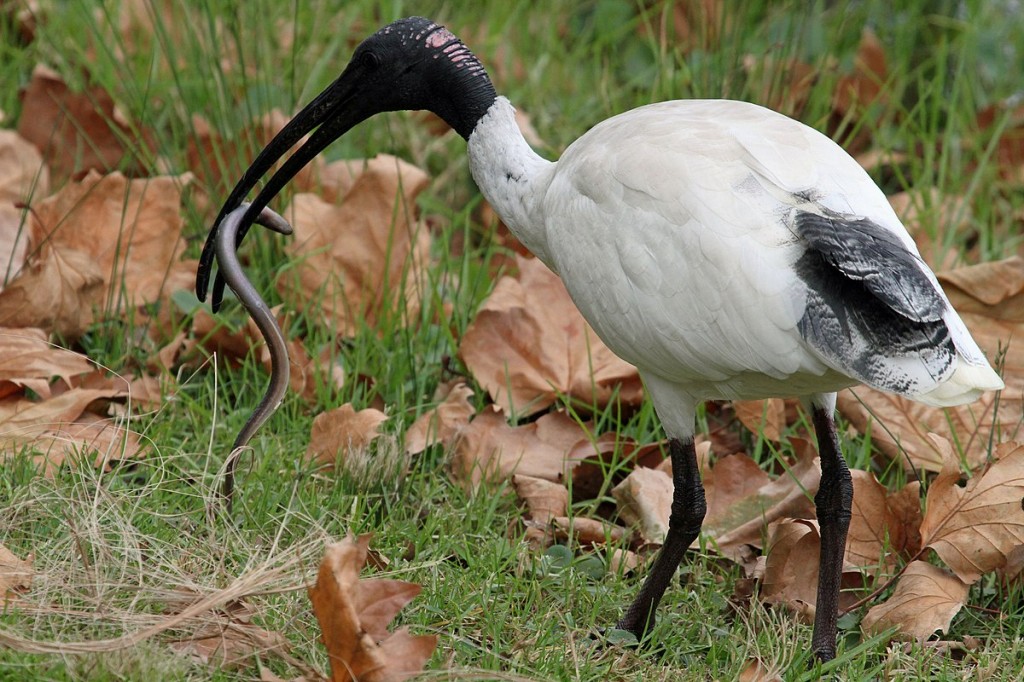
867	252
870	303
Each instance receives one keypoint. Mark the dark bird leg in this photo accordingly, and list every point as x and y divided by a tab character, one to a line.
833	501
688	509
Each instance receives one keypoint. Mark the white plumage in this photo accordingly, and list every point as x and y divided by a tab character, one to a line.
671	226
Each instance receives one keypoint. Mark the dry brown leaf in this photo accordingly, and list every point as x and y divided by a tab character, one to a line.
1009	151
22	177
130	228
857	92
57	291
645	500
876	533
587	532
74	131
443	423
529	344
756	671
731	486
764	417
925	600
354	614
90	433
791	570
23	420
27	359
361	260
339	432
544	499
790	495
975	528
489	449
230	645
15	575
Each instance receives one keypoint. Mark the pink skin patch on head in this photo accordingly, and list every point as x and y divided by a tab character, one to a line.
440	37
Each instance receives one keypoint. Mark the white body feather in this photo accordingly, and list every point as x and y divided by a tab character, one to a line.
671	226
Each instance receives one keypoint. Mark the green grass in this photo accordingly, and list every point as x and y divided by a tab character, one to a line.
110	546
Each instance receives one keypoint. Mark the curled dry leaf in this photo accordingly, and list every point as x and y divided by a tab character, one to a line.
339	432
974	529
791	568
925	600
15	575
74	131
489	449
354	615
358	262
529	344
443	423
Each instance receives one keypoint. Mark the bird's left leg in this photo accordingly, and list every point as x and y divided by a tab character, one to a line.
833	502
688	509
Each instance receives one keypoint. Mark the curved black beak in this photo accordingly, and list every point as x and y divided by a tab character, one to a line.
331	114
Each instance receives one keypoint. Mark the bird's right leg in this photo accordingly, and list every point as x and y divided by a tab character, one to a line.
688	509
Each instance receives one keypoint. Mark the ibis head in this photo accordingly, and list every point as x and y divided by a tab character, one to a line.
409	64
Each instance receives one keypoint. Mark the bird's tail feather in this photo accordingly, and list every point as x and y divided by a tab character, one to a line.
965	385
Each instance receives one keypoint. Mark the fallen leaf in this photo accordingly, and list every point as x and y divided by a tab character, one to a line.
645	500
22	177
756	671
1009	149
15	575
925	600
544	499
22	420
75	131
131	229
443	423
354	615
876	535
489	449
858	92
28	359
793	551
360	262
766	418
529	344
587	532
790	495
975	528
57	291
339	432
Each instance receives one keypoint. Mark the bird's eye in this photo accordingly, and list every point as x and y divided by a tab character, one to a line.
370	60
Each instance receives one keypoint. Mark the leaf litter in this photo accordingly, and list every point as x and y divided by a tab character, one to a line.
527	349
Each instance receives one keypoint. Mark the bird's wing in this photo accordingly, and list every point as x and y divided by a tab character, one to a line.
711	240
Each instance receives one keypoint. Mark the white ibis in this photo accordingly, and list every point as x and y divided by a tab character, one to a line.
727	251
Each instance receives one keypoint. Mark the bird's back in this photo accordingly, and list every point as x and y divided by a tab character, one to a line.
741	254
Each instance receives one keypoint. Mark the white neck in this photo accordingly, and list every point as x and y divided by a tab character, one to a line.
512	177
